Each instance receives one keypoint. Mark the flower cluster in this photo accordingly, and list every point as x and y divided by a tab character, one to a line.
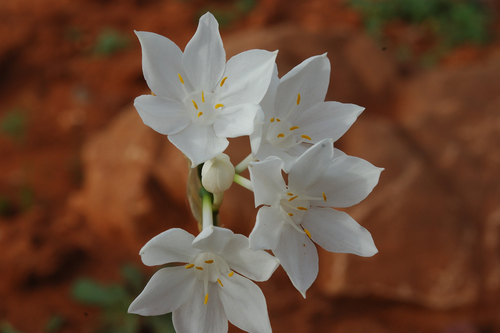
199	101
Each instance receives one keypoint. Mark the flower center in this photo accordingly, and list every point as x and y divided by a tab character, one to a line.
203	106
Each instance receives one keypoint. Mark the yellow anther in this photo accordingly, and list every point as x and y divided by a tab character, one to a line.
289	193
272	120
189	266
206	299
294	128
290	214
281	135
180	78
307	233
199	114
152	93
202	97
220	283
223	81
230	274
298	99
299	208
293	198
306	137
199	268
209	261
324	196
219	106
195	105
278	120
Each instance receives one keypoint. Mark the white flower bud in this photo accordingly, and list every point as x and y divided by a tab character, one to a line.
217	174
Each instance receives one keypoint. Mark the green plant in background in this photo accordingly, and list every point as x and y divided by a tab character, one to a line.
13	124
231	12
109	42
451	22
114	301
6	327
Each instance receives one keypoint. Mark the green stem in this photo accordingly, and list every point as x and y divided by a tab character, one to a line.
243	165
246	183
207	210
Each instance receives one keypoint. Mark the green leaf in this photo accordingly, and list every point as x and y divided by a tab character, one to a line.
89	292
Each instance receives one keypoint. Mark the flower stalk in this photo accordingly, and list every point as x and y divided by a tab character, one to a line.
246	183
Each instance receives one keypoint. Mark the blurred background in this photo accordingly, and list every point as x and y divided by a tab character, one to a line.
84	184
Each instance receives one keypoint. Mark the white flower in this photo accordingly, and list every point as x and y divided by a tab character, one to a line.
217	174
205	293
296	115
199	100
296	213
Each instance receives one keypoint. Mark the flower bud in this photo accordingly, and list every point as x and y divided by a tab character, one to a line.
217	174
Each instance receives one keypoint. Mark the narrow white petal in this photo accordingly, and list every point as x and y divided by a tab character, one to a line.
311	165
162	64
164	115
173	245
204	58
347	181
269	98
336	231
213	239
327	120
199	143
265	235
256	136
248	76
299	258
235	121
245	304
267	181
256	265
167	290
196	317
310	79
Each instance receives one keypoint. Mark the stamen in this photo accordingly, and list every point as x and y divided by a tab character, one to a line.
290	214
220	283
293	198
219	106
281	135
223	81
299	208
199	114
180	78
199	268
306	137
230	274
202	97
324	196
307	233
278	120
298	99
272	120
209	261
289	193
189	266
206	299
294	128
152	93
195	105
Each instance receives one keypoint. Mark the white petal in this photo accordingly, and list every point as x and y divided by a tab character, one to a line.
347	181
310	79
167	290
199	143
213	239
165	116
173	245
269	98
204	57
327	120
336	231
298	257
255	265
162	64
267	181
245	304
311	165
196	317
248	77
256	136
265	235
235	121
